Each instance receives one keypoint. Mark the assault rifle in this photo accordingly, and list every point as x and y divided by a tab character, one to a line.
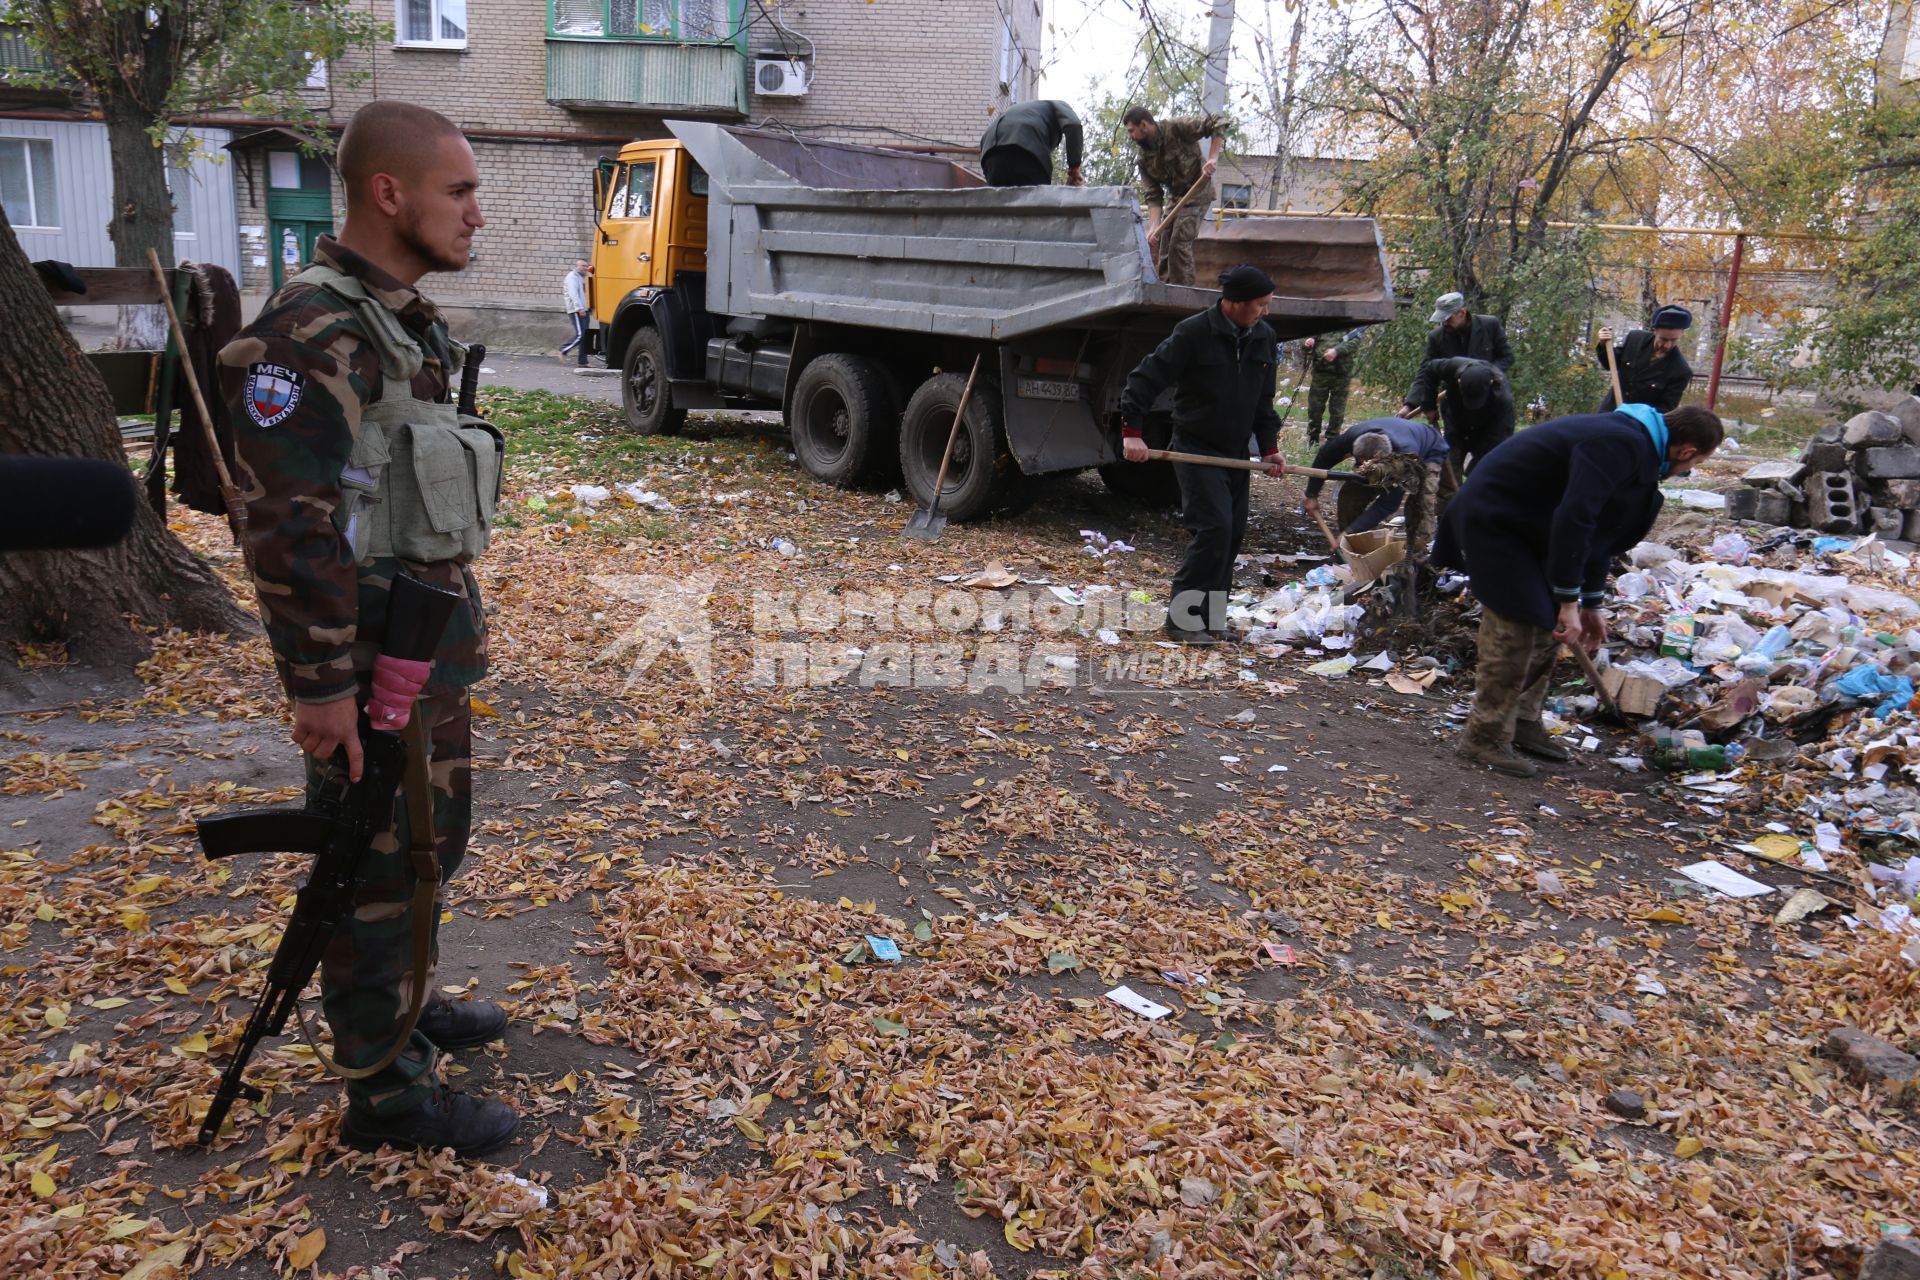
335	825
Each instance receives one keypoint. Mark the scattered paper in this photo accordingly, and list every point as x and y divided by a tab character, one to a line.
992	578
883	948
1722	878
1802	904
1127	998
1280	953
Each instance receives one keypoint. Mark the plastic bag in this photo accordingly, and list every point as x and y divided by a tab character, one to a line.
1730	547
1868	681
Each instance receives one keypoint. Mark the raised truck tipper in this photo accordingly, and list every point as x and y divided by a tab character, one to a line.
852	287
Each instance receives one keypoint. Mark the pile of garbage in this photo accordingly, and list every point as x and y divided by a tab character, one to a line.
1796	647
1860	476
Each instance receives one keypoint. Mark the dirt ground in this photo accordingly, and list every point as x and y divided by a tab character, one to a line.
1389	1040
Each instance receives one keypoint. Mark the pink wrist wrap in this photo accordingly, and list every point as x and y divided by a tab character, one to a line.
396	683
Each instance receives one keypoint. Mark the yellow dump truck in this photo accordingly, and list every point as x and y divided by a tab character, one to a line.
854	287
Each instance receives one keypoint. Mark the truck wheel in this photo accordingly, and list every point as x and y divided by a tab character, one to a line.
1151	484
981	464
845	418
645	393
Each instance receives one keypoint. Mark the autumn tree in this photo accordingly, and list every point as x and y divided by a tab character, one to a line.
150	62
1503	130
1166	75
52	403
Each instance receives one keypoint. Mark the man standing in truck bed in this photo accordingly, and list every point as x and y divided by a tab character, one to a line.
1017	148
1170	170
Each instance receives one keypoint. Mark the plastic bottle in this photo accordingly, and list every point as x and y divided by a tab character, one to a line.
785	548
1775	642
1678	753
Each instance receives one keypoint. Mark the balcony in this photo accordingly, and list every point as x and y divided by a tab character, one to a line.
18	57
647	75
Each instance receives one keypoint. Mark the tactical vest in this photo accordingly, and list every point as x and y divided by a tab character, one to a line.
423	479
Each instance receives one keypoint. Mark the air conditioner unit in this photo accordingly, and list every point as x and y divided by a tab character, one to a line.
779	77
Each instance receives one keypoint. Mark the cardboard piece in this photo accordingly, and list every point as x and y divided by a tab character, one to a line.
1636	695
1372	553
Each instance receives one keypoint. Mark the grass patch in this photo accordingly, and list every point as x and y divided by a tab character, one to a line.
1780	433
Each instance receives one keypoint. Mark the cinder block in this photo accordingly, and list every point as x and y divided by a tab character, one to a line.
1831	507
1886	521
1910	527
1872	427
1772	508
1889	462
1767	473
1825	455
1742	502
1904	494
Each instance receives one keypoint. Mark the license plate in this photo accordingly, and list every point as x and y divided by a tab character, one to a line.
1046	389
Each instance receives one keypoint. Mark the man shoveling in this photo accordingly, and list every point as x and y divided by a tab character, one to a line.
1399	460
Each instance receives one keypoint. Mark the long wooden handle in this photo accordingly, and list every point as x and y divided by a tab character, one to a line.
1165	229
1613	371
1593	677
959	416
1332	541
236	509
1243	464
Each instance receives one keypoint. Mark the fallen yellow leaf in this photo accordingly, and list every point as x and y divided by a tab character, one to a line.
1688	1147
307	1249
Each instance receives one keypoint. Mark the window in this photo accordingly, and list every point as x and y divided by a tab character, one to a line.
316	73
684	21
432	24
291	171
1236	195
26	183
696	179
633	191
180	189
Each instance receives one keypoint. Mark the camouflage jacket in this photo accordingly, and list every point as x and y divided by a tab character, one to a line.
1171	163
296	380
1395	471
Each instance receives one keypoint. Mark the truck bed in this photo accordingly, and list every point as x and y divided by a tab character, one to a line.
833	232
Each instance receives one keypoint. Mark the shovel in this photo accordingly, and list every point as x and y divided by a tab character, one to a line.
1593	678
927	525
1613	372
1243	464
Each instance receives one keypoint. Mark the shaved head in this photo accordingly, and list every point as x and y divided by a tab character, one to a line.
391	137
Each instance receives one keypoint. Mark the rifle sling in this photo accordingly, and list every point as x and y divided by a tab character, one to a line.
418	785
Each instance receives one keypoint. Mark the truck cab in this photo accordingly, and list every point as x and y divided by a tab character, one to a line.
649	265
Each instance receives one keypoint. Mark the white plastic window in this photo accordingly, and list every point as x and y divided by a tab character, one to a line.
433	24
26	183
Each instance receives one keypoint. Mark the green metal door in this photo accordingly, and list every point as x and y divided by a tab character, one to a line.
299	211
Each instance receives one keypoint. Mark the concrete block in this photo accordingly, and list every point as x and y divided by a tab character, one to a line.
1889	462
1904	494
1830	502
1873	1061
1771	508
1910	528
1799	516
1825	455
1888	522
1908	413
1767	473
1893	1259
1831	433
1872	427
1742	502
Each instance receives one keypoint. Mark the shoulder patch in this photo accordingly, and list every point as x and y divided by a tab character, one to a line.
273	393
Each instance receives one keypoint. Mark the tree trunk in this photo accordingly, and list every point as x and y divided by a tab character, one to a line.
142	209
53	404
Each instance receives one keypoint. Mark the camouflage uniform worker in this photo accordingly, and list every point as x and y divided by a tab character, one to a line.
355	466
1330	359
1170	167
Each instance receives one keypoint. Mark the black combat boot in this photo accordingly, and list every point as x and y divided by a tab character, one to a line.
463	1024
470	1126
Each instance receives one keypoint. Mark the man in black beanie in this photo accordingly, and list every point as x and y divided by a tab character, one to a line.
1220	367
1652	370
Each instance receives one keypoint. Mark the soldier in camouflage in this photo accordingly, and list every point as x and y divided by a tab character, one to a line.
356	465
1170	168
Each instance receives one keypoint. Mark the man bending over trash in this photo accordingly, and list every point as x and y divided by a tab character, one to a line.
1398	460
1536	527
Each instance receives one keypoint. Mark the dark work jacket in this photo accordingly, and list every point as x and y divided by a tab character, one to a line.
1036	128
1408	436
1222	378
1477	430
1484	338
1541	516
1644	380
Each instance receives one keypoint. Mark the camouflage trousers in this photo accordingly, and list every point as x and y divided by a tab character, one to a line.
366	976
1326	396
1175	245
1516	663
1364	506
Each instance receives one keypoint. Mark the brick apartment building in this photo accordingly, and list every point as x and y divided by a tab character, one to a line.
543	88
